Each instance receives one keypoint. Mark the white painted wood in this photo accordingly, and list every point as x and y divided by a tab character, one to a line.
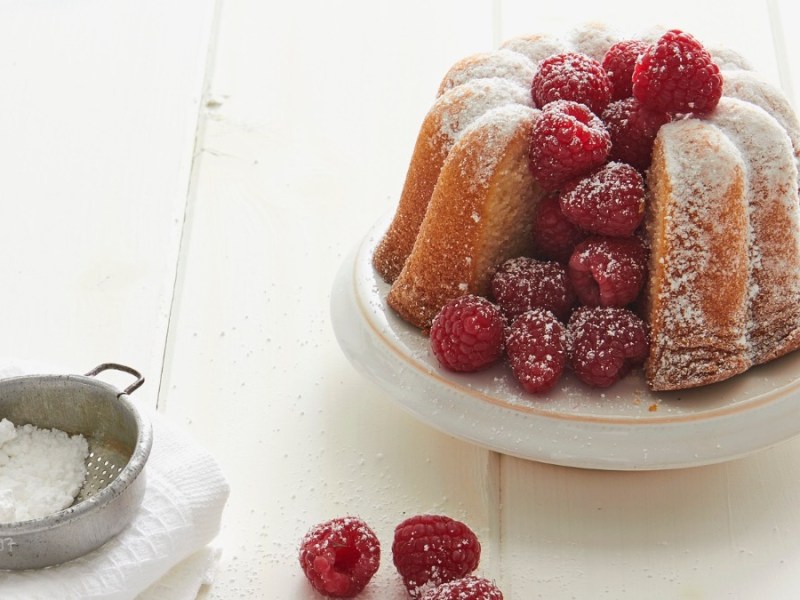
100	105
311	118
723	531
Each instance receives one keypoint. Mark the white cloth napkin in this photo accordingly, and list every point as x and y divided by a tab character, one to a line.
164	553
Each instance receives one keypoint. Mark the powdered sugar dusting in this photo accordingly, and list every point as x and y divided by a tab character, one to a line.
461	106
535	47
697	221
496	128
774	224
503	64
751	87
593	39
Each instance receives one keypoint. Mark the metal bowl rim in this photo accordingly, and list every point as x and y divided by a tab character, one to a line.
134	467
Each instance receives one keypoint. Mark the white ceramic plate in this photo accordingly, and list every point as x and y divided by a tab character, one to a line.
626	427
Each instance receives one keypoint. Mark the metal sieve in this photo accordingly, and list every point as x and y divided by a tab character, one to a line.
119	440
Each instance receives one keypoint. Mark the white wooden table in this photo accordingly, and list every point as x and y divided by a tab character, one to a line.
180	182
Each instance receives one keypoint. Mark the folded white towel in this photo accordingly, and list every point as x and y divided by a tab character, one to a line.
163	553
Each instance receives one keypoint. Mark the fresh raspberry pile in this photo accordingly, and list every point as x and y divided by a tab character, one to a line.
537	350
633	129
590	145
677	75
554	236
567	140
605	343
467	334
619	62
340	556
522	284
609	201
571	76
608	271
434	555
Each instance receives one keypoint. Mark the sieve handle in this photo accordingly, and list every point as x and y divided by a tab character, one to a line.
117	367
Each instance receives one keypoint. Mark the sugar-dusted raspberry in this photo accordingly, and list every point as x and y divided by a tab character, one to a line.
340	556
677	75
619	62
608	271
571	76
468	588
605	343
633	130
429	550
608	201
537	350
567	140
523	283
554	236
467	334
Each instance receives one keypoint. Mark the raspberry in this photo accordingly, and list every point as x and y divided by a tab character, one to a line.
523	283
608	271
429	550
467	334
605	343
340	556
567	140
619	62
571	76
554	236
677	75
536	346
609	201
469	588
633	129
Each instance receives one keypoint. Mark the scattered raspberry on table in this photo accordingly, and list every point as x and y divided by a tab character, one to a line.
340	556
468	588
429	550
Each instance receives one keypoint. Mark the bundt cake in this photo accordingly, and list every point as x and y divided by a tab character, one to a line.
721	213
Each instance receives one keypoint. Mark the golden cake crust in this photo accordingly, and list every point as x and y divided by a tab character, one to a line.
724	232
460	243
450	115
697	316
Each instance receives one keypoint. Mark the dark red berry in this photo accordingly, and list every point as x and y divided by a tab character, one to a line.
429	550
523	283
554	236
340	556
468	588
633	129
608	201
608	271
567	141
618	64
605	343
467	334
536	347
677	75
571	76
